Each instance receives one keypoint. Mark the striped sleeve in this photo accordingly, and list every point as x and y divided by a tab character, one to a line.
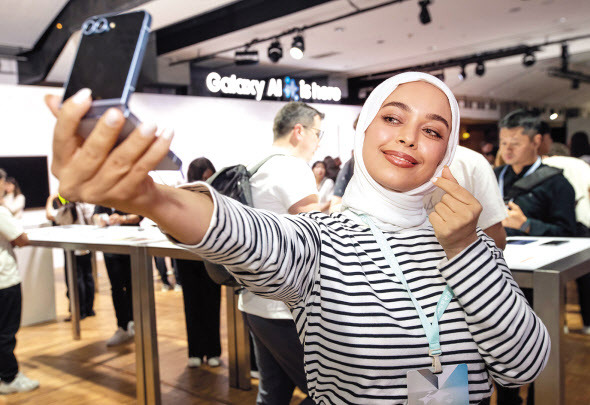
275	256
511	339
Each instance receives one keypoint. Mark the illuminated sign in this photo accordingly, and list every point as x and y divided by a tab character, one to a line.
290	90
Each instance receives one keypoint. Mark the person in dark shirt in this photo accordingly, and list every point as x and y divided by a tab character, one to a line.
201	295
119	272
540	201
546	205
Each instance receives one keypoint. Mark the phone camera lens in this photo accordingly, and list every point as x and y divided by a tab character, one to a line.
88	27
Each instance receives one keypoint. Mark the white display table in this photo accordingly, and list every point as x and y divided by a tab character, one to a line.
546	265
141	244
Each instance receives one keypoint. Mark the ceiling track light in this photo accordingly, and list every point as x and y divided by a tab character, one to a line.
246	57
275	51
462	75
529	59
424	13
480	68
297	47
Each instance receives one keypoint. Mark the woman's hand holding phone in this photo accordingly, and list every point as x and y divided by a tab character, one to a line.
454	218
94	172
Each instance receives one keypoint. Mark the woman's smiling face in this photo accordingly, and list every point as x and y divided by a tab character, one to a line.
407	139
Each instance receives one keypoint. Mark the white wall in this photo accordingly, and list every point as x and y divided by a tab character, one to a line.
227	131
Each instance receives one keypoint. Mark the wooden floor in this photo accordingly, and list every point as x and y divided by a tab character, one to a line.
86	371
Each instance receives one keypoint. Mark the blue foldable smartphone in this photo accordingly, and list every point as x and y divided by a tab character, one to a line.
108	61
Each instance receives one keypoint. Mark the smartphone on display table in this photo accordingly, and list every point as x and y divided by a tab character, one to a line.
108	62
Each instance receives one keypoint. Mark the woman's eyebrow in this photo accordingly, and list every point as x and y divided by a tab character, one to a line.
399	105
437	117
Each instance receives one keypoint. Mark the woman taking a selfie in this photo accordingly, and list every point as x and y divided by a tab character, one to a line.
382	296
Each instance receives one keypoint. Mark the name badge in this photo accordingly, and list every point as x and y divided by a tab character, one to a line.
450	387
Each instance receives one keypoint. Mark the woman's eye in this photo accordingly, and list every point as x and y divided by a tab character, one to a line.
433	133
391	120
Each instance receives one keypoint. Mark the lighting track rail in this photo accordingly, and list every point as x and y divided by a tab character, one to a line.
291	31
478	58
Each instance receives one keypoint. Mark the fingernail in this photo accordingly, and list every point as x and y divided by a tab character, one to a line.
167	134
434	179
81	96
147	129
112	118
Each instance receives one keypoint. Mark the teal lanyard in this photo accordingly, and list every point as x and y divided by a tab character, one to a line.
431	329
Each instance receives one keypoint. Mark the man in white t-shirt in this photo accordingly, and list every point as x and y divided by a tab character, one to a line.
11	235
474	173
284	185
577	172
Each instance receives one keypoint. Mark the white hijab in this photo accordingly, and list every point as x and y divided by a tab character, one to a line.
391	210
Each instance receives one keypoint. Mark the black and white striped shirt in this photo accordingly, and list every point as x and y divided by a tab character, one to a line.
360	331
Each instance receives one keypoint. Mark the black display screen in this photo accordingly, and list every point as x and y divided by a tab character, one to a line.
32	176
104	58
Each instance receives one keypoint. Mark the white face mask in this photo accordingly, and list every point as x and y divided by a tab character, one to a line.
392	210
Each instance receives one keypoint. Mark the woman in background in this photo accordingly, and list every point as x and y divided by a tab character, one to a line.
13	199
81	214
201	296
325	185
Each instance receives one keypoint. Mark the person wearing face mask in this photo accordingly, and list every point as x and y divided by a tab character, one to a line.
380	293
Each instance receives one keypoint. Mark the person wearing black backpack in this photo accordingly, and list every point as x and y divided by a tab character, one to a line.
283	184
541	202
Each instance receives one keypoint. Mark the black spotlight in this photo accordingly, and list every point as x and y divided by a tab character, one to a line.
575	84
275	51
480	68
297	47
529	59
462	75
424	14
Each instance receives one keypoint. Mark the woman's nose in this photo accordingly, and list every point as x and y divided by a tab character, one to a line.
407	137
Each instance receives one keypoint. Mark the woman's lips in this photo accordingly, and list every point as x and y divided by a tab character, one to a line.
400	159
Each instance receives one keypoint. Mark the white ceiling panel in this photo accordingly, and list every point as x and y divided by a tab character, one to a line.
22	22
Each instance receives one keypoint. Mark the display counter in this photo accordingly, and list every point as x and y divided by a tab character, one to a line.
142	244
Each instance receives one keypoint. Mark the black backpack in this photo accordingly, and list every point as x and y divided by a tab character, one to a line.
234	182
